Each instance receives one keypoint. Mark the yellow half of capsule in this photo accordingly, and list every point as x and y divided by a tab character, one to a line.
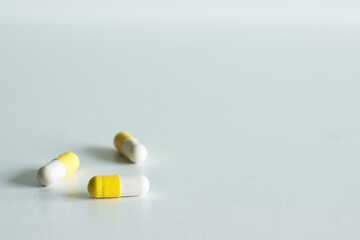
105	186
120	138
70	160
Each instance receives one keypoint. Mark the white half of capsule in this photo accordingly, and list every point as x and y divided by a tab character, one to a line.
134	150
51	172
134	185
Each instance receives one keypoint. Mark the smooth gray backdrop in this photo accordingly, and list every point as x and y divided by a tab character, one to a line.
252	129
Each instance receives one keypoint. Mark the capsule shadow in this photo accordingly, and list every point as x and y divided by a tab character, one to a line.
107	154
26	178
79	195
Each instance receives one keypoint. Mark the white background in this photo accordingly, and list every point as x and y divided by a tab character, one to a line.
249	111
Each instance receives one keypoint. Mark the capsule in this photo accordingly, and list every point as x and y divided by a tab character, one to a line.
58	168
130	147
114	186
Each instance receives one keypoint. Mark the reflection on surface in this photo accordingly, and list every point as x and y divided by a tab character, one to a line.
76	185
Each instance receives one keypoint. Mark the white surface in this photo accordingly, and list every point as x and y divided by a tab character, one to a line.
134	185
52	172
134	150
279	12
252	130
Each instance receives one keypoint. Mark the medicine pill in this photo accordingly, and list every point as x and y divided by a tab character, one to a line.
130	147
114	186
58	168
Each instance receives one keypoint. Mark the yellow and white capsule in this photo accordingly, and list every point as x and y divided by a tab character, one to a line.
130	147
58	168
114	186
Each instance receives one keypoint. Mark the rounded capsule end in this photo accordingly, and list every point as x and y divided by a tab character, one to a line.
92	187
139	153
43	177
134	151
51	172
145	185
105	186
